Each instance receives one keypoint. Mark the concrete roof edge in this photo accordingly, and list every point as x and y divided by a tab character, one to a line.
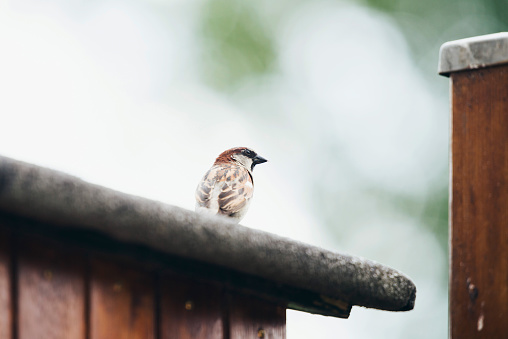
25	188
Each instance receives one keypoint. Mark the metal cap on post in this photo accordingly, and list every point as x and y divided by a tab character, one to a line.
478	70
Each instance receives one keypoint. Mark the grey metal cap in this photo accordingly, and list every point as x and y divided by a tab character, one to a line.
336	280
472	53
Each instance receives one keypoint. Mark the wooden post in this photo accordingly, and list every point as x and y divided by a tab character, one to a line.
478	69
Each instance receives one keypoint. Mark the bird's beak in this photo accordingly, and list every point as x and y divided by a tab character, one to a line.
258	160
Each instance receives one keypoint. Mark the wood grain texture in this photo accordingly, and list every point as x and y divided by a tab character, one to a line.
51	291
5	285
122	302
190	310
479	204
254	318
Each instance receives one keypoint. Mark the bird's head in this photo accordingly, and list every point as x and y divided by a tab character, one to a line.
243	156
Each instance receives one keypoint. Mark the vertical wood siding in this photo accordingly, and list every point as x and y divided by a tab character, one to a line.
190	310
5	285
52	291
122	302
254	318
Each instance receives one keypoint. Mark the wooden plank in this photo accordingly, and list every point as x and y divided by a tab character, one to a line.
254	318
479	204
51	291
5	285
190	310
122	302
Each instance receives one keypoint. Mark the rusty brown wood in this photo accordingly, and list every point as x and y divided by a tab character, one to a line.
122	302
479	204
51	291
254	318
190	310
5	285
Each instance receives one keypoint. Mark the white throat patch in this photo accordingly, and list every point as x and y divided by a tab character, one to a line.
244	161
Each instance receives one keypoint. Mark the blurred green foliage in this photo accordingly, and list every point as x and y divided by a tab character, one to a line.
237	43
239	39
428	24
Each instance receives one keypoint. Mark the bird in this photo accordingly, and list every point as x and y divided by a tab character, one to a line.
227	187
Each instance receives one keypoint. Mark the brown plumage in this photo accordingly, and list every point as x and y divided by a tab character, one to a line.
227	187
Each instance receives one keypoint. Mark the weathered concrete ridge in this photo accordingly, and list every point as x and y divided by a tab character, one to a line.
52	197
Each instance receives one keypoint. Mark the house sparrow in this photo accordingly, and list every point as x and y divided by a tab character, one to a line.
227	187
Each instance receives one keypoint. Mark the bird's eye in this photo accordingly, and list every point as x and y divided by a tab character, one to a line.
248	152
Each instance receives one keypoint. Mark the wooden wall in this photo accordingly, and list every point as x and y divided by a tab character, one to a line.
52	290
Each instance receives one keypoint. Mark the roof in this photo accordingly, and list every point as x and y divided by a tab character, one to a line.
472	53
311	279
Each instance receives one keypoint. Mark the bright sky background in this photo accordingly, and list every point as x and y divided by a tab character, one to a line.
110	91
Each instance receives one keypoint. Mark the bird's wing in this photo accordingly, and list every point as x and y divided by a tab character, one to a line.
205	189
236	191
225	189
